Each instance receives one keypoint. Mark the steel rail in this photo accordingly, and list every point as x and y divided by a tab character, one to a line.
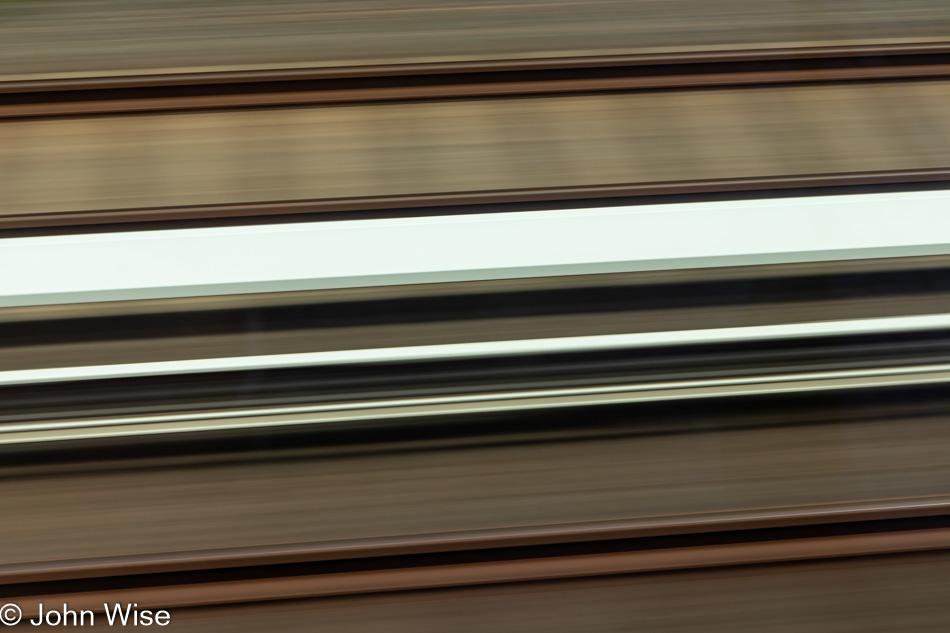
282	87
516	565
467	404
519	571
469	201
495	349
55	82
469	541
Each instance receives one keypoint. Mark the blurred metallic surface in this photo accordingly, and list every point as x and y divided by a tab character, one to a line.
233	340
850	416
708	459
444	408
625	341
878	595
404	148
101	36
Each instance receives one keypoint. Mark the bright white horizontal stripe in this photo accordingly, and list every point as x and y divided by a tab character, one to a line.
479	350
362	253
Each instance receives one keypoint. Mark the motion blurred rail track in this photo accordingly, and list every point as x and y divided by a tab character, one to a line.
516	77
455	202
445	106
532	554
